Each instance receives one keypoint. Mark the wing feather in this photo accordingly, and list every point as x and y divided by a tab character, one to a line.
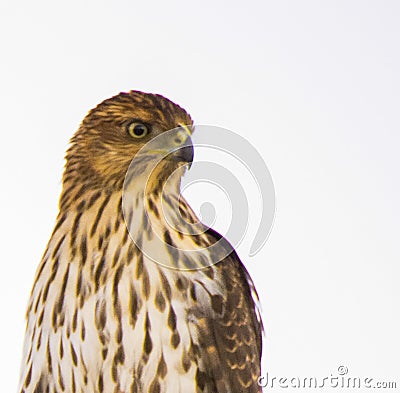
230	337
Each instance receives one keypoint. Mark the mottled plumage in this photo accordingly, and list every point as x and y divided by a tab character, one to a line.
102	316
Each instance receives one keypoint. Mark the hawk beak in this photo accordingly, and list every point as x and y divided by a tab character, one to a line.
184	152
180	146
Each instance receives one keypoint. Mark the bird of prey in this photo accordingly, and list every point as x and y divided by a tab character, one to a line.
104	315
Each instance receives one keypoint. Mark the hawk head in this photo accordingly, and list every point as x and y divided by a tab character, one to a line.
114	132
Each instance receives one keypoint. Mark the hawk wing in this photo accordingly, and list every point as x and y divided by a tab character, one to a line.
230	335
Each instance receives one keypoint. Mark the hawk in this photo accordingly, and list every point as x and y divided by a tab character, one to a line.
103	315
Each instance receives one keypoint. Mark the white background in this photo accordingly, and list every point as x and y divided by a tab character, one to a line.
314	85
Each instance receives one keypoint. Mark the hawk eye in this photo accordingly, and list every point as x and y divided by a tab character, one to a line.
137	130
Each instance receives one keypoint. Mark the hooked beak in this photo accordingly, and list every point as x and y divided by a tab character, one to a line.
180	146
183	146
184	152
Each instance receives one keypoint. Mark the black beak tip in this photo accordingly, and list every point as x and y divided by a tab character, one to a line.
185	152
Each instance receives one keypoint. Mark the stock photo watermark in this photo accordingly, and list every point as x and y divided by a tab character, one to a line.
210	171
340	379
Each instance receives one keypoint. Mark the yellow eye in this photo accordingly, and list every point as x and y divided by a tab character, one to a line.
137	130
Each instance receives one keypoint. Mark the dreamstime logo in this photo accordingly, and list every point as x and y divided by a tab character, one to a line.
148	168
340	379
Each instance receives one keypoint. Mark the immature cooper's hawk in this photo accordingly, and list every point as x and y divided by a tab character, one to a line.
103	316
